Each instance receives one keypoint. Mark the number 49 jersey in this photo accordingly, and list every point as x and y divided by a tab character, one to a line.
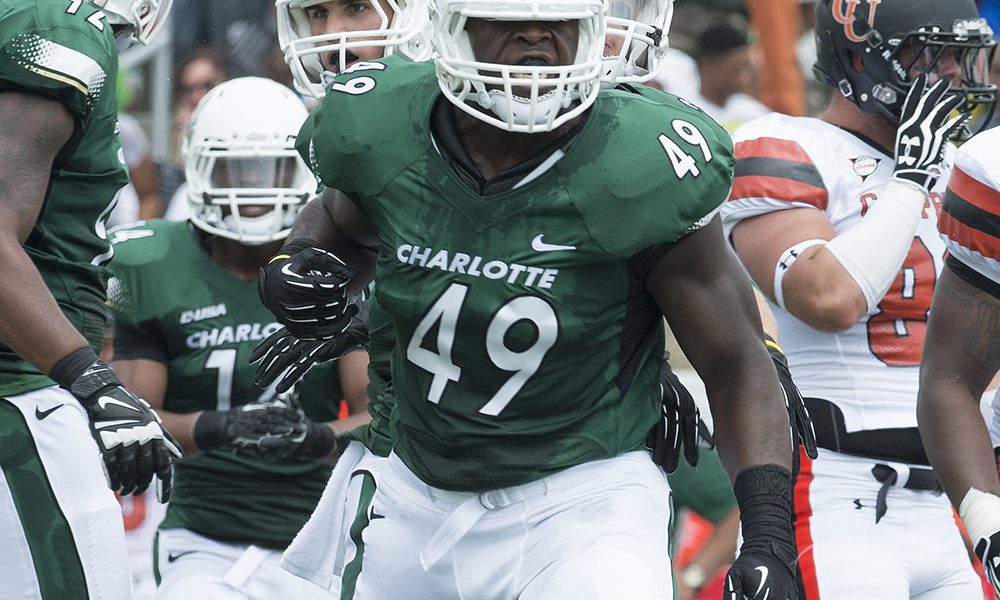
65	51
527	340
870	370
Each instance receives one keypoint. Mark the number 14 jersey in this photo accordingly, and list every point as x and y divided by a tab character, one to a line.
527	342
870	370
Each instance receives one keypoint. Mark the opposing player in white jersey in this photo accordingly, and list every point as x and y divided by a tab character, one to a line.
835	218
961	354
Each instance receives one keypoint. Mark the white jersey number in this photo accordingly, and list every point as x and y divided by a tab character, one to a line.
445	314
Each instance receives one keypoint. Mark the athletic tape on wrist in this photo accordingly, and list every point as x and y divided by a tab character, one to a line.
980	512
785	261
873	251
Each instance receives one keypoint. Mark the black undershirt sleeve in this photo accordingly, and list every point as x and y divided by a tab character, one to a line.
143	342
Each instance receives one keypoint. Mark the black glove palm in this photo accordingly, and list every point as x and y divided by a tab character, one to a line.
282	351
798	416
680	427
306	289
257	430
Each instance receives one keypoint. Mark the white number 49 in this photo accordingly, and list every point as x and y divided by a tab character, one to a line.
683	162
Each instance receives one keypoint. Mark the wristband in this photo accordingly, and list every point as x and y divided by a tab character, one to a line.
70	367
764	495
209	431
785	262
319	442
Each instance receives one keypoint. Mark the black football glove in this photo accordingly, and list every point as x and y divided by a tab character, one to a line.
924	131
798	416
988	551
765	568
680	427
256	430
134	445
306	289
283	355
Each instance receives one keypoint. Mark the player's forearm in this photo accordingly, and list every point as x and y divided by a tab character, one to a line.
181	426
720	548
32	324
314	222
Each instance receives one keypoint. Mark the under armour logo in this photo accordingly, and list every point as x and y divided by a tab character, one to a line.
857	504
908	143
791	254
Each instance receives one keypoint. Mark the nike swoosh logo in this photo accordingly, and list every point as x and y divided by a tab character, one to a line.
539	246
41	414
286	270
104	401
103	424
174	556
763	578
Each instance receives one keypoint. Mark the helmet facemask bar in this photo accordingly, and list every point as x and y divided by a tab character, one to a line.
519	98
401	26
927	52
636	39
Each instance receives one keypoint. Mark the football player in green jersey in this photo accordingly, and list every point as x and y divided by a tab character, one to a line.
186	317
68	429
494	431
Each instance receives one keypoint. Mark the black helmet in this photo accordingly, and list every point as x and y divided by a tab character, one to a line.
897	38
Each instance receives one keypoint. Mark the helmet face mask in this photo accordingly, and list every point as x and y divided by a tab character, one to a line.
895	42
245	180
142	19
636	39
534	96
391	26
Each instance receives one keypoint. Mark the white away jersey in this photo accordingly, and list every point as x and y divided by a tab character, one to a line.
970	218
870	370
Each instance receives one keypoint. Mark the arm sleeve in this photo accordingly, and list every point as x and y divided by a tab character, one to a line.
144	341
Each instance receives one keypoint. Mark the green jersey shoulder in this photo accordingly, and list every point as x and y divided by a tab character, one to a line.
646	169
61	49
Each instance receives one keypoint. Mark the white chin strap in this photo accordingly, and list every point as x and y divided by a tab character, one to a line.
520	111
256	231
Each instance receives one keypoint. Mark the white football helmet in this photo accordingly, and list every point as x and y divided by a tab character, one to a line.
551	89
239	153
144	18
402	29
636	39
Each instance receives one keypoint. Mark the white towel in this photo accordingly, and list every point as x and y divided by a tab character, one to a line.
317	552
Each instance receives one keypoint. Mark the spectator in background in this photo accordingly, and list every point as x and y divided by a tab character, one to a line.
140	199
777	23
728	75
243	31
203	69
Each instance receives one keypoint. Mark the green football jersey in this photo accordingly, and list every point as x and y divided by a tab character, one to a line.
527	342
375	434
166	287
65	51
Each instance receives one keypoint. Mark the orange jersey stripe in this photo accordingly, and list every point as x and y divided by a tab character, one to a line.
974	191
768	147
967	237
803	534
778	188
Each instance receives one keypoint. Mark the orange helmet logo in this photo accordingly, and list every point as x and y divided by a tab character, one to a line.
843	13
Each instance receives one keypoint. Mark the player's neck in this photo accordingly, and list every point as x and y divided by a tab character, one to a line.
242	261
845	114
494	150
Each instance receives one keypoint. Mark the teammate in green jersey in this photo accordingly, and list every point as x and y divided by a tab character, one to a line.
60	172
186	318
516	367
